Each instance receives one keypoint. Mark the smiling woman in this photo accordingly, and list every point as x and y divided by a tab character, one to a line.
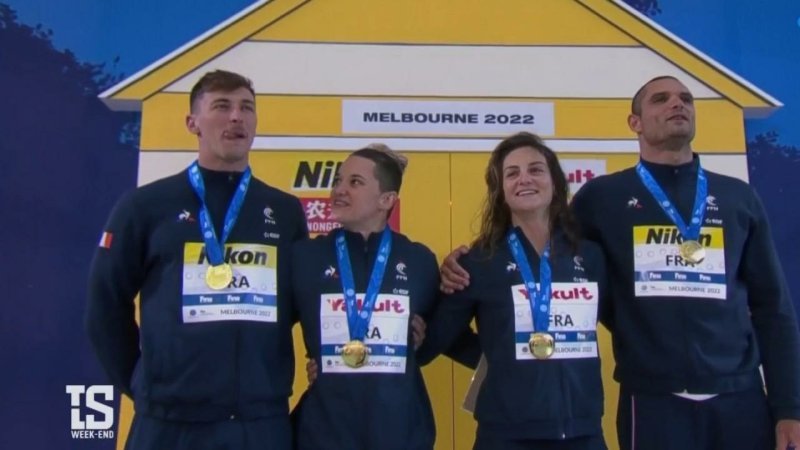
526	187
526	269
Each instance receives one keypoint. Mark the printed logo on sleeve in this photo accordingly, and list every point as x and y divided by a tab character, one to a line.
186	216
105	240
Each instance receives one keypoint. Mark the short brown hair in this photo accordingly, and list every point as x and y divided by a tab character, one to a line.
219	80
389	166
636	103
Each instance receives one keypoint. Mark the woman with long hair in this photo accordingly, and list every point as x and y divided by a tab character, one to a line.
535	289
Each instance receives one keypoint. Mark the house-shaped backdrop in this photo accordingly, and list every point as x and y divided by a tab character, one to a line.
442	82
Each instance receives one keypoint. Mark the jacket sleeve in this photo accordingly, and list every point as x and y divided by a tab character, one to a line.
598	272
466	349
773	316
301	231
448	329
115	277
299	234
583	209
292	291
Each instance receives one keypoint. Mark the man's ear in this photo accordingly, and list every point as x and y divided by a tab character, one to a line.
191	124
635	123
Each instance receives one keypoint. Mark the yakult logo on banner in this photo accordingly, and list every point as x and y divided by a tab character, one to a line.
580	171
91	411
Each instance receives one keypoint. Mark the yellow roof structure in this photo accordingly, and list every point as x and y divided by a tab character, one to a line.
585	49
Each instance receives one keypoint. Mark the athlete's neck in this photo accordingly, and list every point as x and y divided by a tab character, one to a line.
365	228
219	165
667	156
535	225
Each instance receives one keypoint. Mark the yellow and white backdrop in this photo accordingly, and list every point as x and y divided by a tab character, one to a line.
441	81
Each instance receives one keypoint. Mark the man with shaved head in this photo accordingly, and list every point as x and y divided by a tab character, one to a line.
699	300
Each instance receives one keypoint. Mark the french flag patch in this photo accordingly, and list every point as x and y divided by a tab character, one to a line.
105	239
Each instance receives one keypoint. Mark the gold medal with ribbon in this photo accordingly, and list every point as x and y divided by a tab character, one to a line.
692	251
542	345
219	277
354	354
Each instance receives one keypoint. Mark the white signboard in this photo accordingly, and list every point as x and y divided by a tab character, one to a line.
463	118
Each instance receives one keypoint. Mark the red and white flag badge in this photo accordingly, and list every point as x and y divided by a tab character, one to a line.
105	239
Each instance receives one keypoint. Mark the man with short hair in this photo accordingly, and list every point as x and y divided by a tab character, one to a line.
210	364
699	298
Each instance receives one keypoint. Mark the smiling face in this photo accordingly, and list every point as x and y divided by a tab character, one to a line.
356	198
527	182
664	115
225	125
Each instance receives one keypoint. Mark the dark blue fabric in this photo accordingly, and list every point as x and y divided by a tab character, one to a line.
675	344
363	410
147	433
199	371
732	421
523	399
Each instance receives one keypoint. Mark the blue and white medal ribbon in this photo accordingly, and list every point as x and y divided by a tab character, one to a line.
690	248
541	343
219	274
355	351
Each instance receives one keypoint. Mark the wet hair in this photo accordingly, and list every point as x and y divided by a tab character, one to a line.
636	102
218	81
495	213
389	165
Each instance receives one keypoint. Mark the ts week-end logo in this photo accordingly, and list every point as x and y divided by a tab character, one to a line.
91	411
317	177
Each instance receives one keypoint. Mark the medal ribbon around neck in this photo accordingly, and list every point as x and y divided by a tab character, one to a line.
358	321
214	247
692	231
538	296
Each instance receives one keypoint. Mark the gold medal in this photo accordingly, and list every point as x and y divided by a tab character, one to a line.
692	251
354	354
542	345
219	277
